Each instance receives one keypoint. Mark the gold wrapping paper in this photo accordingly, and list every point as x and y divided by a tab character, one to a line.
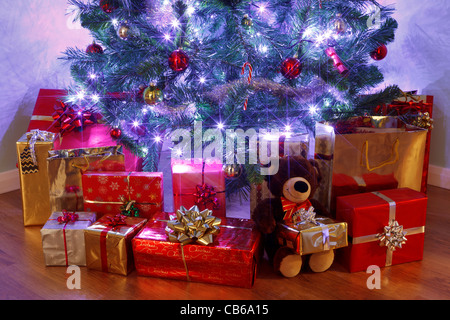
307	238
118	256
35	186
63	244
65	168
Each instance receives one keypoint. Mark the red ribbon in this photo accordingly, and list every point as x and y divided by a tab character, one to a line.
290	207
402	108
66	218
73	189
112	223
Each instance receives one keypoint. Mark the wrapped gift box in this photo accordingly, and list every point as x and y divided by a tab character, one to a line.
384	227
108	192
108	243
312	237
92	136
63	238
32	152
231	259
66	167
192	179
344	185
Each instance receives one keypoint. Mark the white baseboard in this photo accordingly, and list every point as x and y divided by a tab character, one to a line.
9	181
439	176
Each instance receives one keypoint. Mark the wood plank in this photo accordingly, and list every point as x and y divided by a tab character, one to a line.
23	274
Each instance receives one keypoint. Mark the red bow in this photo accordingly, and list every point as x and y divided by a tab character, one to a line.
290	207
67	118
204	195
116	221
67	217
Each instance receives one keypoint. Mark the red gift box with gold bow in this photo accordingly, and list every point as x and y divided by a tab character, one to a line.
384	227
230	258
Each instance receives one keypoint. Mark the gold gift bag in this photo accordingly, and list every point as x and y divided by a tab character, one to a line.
383	145
32	152
65	168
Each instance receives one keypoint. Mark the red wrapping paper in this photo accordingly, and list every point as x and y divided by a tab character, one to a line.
230	260
344	185
92	136
104	192
367	214
187	175
412	106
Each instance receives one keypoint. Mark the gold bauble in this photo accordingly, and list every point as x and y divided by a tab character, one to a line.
152	95
246	21
123	31
232	171
339	24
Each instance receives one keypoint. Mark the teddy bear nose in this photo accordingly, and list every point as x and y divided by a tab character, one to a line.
301	186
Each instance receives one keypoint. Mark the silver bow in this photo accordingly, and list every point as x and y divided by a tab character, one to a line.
37	135
305	216
393	236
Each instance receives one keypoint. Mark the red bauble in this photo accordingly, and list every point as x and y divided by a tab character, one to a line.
94	48
109	6
380	53
291	68
116	133
178	60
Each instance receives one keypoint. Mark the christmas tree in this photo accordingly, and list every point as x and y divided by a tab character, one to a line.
156	66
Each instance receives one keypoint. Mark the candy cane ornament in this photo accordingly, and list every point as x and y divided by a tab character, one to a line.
249	78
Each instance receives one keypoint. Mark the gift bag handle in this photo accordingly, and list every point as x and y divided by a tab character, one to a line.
86	166
391	160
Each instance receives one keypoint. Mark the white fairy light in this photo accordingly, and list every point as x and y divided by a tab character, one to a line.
157	139
95	97
202	80
167	37
220	126
312	109
135	123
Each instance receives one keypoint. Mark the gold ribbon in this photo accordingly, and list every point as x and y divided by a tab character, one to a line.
304	217
393	235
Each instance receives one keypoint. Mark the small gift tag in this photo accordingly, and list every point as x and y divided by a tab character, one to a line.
26	161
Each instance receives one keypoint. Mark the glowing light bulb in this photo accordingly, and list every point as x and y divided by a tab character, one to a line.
262	8
263	48
190	10
312	109
135	123
92	76
95	97
157	139
220	125
115	22
287	128
175	23
179	152
167	37
202	80
145	150
80	95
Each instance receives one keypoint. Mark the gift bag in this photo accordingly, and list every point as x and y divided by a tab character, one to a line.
382	145
65	169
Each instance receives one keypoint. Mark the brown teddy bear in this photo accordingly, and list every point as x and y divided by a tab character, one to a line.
292	187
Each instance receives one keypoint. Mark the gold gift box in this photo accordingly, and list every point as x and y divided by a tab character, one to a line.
34	183
63	243
109	249
307	238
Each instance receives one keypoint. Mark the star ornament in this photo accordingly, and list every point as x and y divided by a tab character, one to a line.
393	236
193	226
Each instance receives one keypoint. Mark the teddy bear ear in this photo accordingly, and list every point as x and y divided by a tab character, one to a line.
315	165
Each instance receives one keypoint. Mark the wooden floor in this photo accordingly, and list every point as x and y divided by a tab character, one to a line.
24	276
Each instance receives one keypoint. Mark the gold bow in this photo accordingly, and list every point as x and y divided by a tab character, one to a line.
193	226
393	236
